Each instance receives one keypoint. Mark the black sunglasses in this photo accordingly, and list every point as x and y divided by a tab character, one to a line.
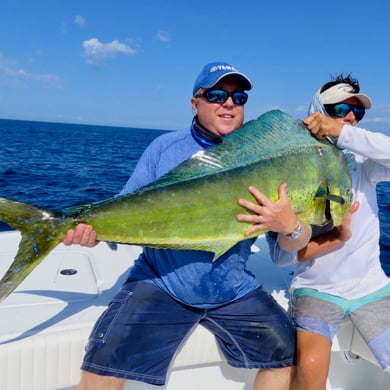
342	109
220	96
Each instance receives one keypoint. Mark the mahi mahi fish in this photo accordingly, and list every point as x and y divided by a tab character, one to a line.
194	206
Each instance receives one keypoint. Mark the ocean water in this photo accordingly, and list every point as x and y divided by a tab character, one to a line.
57	165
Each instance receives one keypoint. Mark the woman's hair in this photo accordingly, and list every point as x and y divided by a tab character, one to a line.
348	79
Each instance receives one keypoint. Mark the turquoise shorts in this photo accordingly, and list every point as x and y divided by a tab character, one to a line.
323	313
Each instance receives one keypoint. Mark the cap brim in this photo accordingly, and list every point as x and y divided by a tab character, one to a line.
247	84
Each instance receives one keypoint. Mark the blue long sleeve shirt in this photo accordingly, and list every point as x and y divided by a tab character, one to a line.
189	276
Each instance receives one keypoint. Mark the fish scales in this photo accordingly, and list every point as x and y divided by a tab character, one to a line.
194	206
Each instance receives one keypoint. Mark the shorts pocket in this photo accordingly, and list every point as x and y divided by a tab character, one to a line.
106	322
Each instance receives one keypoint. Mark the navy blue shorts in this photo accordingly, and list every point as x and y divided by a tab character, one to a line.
139	333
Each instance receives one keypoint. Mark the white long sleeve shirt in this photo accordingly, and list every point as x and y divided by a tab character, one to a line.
354	270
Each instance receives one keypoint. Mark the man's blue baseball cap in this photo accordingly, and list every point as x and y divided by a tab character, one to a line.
215	71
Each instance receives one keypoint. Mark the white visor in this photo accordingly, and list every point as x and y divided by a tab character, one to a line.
340	92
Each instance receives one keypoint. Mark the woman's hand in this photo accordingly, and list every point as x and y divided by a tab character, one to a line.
330	241
343	232
322	126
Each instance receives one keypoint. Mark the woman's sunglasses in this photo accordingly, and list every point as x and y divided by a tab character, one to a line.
220	96
342	109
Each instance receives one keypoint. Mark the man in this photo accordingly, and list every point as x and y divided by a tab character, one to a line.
168	292
338	272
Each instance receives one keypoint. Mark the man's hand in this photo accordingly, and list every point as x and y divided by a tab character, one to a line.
83	235
275	216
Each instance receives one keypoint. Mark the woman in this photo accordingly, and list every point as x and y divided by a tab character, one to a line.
338	272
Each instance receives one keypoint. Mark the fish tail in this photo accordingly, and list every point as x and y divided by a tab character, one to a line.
41	231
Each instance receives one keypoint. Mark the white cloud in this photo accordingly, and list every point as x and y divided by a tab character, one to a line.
79	20
163	36
95	50
12	75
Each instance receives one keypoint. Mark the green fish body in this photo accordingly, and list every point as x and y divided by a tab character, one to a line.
194	206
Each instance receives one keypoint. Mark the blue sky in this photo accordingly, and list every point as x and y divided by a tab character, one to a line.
133	63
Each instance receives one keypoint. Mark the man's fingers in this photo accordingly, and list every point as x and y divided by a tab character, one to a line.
248	205
68	239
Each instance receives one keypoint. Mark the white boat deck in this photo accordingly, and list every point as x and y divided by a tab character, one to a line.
45	324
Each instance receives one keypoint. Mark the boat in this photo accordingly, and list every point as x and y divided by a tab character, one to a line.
46	321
